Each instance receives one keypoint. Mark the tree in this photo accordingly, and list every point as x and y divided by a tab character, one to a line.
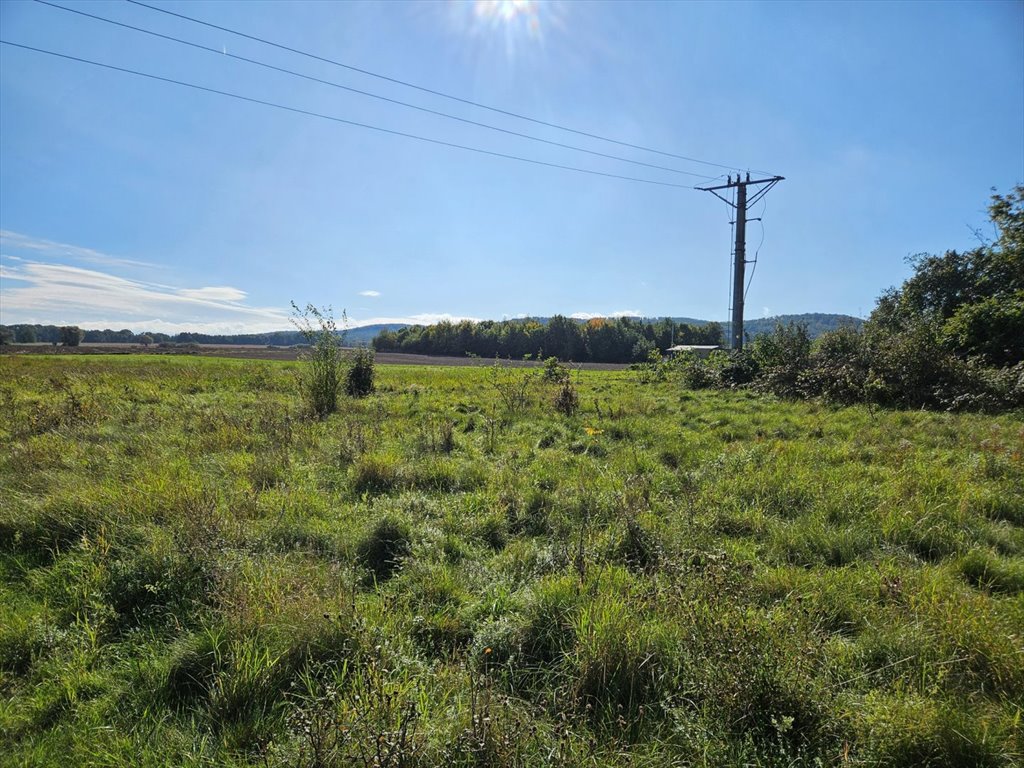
145	339
71	335
974	299
563	339
26	334
6	335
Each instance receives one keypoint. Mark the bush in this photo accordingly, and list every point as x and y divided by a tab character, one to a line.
320	379
696	373
554	372
567	400
782	358
360	373
838	367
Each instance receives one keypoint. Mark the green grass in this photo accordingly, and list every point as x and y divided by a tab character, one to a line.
191	573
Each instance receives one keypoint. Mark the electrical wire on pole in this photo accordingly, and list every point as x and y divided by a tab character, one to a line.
757	251
424	89
341	120
370	94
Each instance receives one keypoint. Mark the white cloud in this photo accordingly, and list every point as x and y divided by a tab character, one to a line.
767	312
48	248
214	293
35	288
617	313
426	318
60	294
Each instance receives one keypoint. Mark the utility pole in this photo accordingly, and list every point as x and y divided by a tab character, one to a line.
741	205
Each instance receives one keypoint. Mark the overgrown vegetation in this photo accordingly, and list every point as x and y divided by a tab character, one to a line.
951	337
326	369
321	373
192	574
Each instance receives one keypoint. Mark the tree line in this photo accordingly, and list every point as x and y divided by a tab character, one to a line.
58	334
598	340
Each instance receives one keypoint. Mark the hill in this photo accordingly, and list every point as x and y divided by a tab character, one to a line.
817	323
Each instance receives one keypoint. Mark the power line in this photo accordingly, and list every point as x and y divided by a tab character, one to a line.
368	93
431	91
757	251
342	120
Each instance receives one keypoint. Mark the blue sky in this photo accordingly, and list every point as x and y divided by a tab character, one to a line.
126	202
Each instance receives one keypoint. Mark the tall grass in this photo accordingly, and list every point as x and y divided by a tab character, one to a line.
444	572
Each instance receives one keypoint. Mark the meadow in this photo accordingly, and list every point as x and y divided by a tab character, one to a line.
450	571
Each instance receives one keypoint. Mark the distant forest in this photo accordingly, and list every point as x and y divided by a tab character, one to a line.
598	340
51	334
613	340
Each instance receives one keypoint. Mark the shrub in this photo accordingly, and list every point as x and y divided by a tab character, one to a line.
782	357
360	373
512	386
554	372
696	373
320	378
567	400
839	367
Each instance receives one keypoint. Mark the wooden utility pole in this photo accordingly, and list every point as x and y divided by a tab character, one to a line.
741	205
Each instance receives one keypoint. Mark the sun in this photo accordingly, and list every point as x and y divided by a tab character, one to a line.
523	29
513	16
506	10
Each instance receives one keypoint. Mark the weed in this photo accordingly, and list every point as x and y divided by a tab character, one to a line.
512	386
567	400
320	379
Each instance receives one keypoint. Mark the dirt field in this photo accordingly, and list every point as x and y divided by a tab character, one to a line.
253	352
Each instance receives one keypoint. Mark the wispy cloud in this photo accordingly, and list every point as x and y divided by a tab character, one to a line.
424	318
214	293
40	248
39	286
39	292
617	313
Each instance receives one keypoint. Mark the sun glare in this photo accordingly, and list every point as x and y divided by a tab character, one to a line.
507	10
511	18
523	29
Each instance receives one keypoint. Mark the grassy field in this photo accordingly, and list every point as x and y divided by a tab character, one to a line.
192	574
